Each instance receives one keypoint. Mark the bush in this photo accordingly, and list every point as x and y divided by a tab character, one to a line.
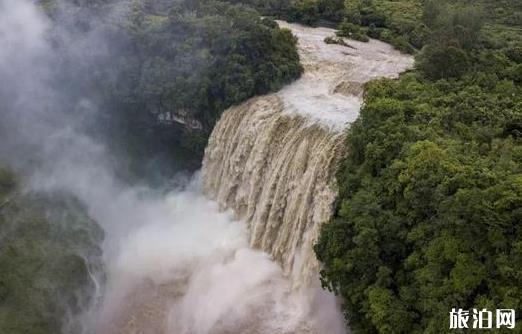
350	30
304	11
346	28
335	40
402	44
359	36
438	63
514	53
419	36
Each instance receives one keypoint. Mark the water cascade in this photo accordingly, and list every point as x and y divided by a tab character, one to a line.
240	259
272	159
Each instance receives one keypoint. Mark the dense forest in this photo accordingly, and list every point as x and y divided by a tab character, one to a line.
181	66
174	66
431	185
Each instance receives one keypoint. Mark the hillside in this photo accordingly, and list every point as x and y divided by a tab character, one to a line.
431	185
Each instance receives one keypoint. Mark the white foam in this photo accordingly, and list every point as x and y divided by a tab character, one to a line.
326	66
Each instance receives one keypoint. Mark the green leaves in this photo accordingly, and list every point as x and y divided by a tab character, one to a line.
430	200
387	313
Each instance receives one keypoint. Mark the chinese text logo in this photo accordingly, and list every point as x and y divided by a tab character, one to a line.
483	319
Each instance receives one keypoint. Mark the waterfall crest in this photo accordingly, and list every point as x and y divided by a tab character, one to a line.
272	159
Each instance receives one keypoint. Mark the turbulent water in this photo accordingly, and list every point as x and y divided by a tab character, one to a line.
272	159
277	173
190	270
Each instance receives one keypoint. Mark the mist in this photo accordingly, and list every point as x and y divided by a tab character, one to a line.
172	259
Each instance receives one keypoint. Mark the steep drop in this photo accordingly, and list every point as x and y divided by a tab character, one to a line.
272	159
277	172
270	162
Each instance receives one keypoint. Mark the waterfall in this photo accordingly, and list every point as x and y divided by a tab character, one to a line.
273	158
243	261
277	173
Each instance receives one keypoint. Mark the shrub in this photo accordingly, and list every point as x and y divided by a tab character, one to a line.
438	62
350	30
335	40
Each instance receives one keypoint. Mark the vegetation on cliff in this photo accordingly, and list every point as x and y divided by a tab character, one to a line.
171	68
431	186
49	253
190	64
